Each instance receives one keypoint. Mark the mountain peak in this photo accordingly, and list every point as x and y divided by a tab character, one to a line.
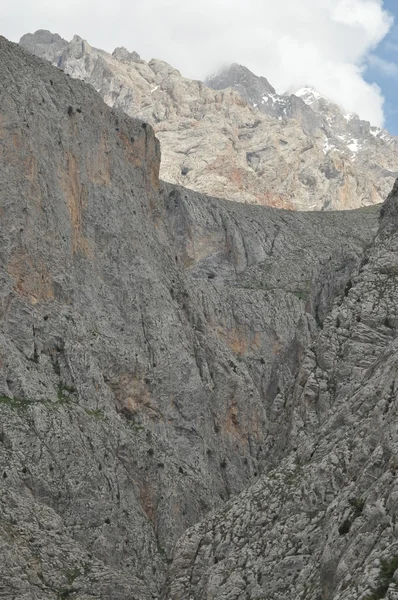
238	76
309	94
123	55
44	44
42	36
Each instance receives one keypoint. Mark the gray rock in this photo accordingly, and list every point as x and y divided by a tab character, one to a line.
253	89
147	335
322	523
244	142
44	44
123	55
260	94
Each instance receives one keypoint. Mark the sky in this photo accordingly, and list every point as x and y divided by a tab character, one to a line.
346	49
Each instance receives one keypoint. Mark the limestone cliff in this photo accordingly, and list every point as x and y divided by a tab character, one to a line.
148	339
323	523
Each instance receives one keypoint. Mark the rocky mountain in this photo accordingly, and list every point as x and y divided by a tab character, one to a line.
234	137
323	523
197	396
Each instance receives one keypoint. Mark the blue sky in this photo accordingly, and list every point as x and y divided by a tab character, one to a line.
385	71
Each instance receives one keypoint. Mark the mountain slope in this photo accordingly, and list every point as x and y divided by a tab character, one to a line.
323	523
245	142
146	335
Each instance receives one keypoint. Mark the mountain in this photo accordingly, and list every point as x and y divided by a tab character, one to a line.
148	336
198	397
323	522
234	137
255	90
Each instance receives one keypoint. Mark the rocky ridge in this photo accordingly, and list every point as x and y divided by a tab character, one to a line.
323	523
235	137
162	351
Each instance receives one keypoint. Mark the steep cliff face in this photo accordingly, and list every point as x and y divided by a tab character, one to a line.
323	523
147	333
240	140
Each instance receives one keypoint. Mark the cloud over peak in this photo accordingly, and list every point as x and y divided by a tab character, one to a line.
321	43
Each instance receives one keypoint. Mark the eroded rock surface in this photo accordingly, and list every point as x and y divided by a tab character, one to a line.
147	334
235	137
323	523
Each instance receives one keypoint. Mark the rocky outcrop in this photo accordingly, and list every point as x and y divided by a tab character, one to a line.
45	44
322	523
240	140
255	90
147	334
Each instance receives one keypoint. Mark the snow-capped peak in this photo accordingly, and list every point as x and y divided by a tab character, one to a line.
309	95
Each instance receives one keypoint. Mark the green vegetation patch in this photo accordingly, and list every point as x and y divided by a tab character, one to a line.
17	404
65	593
64	393
387	570
304	292
73	574
97	414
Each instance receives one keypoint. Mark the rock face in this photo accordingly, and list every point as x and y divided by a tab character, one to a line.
180	370
238	139
323	523
45	44
147	333
252	88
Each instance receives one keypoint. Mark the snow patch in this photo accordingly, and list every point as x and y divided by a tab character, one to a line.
308	95
386	137
273	98
328	146
375	131
353	146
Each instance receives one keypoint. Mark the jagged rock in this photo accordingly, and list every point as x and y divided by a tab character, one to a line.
243	142
123	55
322	524
147	334
45	44
252	88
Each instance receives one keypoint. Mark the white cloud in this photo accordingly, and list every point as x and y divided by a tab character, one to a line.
321	43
